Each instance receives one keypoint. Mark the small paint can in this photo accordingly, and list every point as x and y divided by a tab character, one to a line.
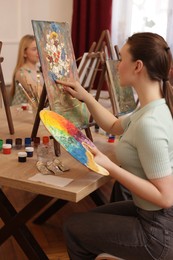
111	139
29	151
27	141
24	106
9	141
36	141
6	148
45	139
22	156
18	143
1	143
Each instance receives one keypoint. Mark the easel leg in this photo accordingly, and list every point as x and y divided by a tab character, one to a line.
100	85
37	120
40	107
5	99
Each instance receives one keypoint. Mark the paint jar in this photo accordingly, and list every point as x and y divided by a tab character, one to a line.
36	141
1	143
24	106
18	143
27	141
9	141
29	151
111	139
6	148
45	151
22	156
45	139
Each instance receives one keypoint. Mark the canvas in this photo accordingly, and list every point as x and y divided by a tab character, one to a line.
86	69
71	138
123	97
58	62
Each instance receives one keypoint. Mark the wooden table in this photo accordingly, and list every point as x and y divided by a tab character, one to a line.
15	175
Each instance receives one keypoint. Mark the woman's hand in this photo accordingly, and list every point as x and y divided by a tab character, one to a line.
99	157
104	118
74	88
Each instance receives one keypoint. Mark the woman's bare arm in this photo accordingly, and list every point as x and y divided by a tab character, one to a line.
104	118
157	191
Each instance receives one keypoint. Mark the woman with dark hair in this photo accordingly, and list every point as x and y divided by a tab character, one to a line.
141	228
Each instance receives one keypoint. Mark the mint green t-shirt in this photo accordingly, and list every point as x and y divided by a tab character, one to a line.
146	147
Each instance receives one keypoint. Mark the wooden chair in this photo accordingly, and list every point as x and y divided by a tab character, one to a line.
105	256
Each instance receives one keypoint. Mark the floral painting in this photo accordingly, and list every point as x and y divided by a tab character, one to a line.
58	62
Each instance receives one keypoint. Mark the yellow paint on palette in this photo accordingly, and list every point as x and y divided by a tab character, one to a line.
94	166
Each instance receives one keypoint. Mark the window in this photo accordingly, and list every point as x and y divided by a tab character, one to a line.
130	16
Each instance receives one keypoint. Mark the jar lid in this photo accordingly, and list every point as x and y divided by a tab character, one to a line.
29	149
45	139
18	141
36	139
22	154
27	140
9	141
6	146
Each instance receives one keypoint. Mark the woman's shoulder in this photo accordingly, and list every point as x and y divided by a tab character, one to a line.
20	72
21	76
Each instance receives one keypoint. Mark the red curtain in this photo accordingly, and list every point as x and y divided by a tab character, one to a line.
90	18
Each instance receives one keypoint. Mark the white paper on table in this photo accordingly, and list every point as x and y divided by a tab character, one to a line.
51	179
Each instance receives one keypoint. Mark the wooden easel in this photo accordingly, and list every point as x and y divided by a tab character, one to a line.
101	51
109	54
5	98
96	54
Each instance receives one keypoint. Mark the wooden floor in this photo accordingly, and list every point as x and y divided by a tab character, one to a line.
49	235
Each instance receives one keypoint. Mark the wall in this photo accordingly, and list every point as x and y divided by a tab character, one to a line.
16	16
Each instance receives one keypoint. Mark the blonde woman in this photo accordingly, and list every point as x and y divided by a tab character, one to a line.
26	72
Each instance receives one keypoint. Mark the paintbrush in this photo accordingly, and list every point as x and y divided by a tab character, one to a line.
31	99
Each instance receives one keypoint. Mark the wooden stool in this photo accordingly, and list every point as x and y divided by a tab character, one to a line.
105	256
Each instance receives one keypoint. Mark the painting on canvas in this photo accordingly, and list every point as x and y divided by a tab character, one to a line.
123	97
57	60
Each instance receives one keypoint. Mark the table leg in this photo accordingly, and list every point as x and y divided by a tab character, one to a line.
58	204
14	224
43	217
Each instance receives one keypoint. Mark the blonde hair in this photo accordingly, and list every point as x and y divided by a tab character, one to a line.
24	43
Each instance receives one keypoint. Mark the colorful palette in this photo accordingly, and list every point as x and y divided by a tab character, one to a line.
71	138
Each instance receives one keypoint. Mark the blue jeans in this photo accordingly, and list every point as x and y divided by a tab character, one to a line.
120	229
